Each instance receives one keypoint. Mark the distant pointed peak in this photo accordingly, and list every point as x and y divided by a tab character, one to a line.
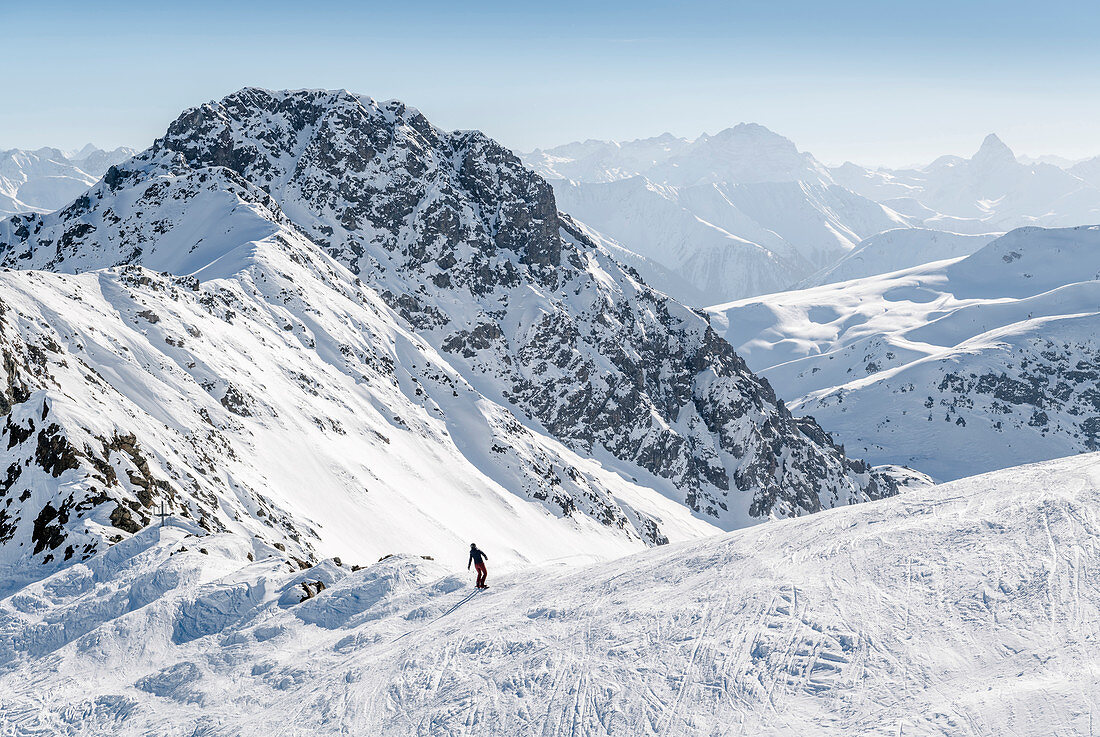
994	149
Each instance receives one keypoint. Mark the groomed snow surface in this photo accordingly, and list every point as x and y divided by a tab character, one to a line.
970	608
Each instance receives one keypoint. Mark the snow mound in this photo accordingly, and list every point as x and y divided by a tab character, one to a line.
893	250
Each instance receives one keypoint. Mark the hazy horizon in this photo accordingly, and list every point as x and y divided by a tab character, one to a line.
878	85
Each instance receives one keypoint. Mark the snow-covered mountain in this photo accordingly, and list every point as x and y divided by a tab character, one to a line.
708	260
46	179
991	191
968	608
739	213
321	322
954	367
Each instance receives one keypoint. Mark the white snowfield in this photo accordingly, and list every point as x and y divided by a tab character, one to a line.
900	248
971	608
954	367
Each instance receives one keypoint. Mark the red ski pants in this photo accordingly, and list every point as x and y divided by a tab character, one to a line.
481	574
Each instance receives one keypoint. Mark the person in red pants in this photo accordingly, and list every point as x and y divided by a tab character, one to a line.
478	558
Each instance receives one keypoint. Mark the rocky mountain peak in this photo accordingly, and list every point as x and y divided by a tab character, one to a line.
507	299
360	171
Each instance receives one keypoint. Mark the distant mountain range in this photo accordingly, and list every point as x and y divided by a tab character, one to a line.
991	191
46	179
743	212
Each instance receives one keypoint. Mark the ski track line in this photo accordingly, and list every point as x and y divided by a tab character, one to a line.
784	661
923	702
294	704
424	626
555	691
670	711
1051	579
581	687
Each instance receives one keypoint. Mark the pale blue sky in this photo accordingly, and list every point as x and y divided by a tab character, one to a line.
876	82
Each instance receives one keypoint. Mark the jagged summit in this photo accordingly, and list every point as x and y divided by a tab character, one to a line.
349	166
85	151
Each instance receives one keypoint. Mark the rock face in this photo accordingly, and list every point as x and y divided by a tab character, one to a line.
504	298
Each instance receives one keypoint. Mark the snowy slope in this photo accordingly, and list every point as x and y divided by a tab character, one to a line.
656	276
400	321
277	371
46	179
968	608
954	367
1089	170
283	402
893	250
714	263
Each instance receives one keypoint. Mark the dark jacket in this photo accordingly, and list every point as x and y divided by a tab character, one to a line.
477	557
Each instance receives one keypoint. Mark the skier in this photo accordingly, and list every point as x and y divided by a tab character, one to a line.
478	558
